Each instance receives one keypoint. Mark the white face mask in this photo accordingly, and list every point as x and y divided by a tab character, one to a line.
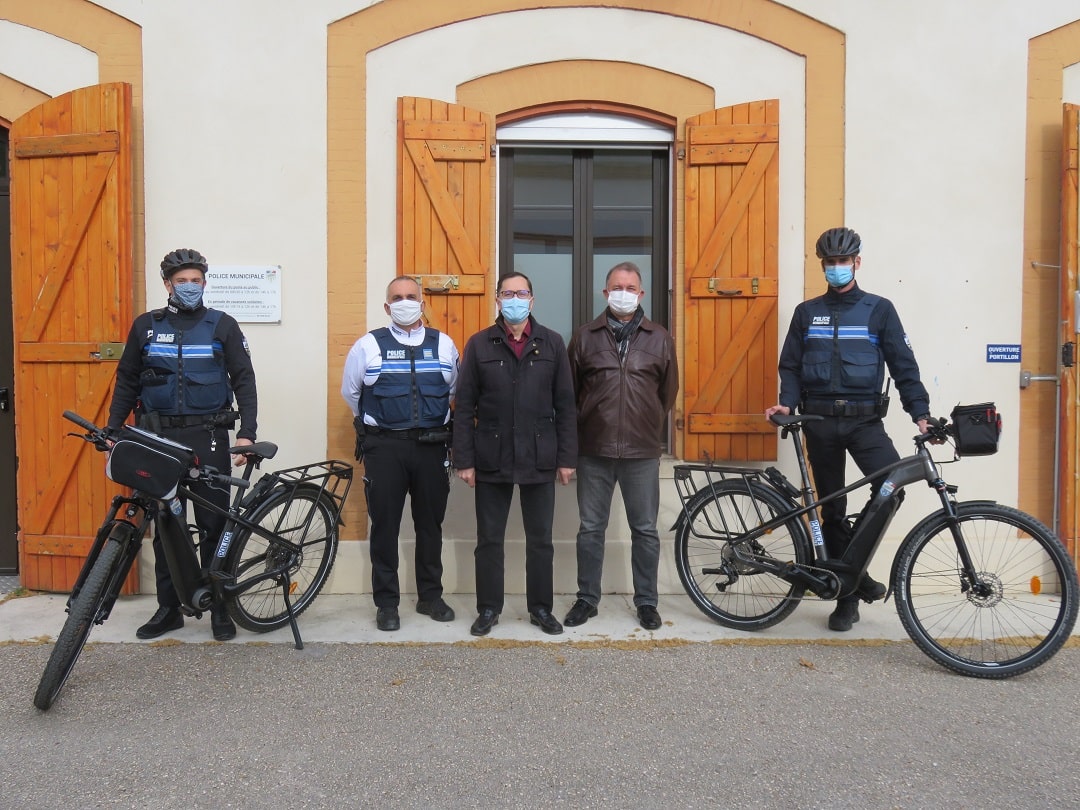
405	312
622	302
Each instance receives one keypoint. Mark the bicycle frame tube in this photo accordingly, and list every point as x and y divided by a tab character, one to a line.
882	508
216	577
916	467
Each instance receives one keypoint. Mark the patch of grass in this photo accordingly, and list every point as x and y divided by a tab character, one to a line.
18	593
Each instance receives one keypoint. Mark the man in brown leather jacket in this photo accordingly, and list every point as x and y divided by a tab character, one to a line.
626	377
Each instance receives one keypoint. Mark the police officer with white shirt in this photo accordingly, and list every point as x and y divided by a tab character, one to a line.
399	382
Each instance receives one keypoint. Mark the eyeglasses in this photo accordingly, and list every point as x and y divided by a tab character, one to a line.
506	295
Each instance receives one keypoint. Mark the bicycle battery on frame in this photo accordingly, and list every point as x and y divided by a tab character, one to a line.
882	508
181	556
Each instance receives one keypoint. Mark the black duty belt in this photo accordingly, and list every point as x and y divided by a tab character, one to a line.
839	407
406	433
191	420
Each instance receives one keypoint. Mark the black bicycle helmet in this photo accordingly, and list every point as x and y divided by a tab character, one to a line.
837	242
180	259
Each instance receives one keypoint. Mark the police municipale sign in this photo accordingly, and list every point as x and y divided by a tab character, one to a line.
250	293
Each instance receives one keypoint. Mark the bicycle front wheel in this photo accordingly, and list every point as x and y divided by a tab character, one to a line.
716	565
1016	614
104	578
306	518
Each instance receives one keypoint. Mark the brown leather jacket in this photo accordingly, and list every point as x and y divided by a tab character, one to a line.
621	406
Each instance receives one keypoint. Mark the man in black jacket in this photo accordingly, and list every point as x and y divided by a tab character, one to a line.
180	370
833	364
515	423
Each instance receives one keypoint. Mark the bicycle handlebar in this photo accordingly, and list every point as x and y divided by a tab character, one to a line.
71	416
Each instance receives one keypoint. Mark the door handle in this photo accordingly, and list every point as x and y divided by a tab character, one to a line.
5	401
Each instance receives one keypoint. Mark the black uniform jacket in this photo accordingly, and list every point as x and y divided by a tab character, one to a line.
515	420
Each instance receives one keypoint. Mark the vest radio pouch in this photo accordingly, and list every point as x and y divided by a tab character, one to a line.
358	426
883	400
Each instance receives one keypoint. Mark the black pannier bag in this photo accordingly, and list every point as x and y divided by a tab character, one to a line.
976	429
149	463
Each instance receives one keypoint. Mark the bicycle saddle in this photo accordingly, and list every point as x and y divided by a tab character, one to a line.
260	450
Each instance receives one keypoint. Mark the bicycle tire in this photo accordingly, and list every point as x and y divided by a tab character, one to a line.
284	511
104	574
729	591
1019	621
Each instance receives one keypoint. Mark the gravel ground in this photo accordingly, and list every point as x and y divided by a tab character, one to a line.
534	725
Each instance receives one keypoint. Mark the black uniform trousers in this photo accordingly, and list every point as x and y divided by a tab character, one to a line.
210	525
537	514
827	442
393	468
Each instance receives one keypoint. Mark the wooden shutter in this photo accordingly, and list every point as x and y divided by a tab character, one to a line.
445	211
1069	433
71	298
731	236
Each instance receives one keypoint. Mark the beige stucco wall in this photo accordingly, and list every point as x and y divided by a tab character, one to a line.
267	131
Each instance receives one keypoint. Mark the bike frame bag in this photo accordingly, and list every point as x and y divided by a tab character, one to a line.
976	429
149	463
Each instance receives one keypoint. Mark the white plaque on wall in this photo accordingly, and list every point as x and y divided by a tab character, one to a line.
250	293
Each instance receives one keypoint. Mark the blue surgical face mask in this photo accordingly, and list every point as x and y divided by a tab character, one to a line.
839	275
187	294
515	310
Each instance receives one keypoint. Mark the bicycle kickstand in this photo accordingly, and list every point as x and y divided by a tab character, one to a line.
285	583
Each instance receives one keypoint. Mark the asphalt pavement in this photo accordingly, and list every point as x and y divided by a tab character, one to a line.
606	715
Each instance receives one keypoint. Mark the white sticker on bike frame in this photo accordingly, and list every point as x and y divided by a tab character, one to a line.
815	530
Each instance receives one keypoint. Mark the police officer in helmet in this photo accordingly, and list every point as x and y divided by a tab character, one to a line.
182	369
833	363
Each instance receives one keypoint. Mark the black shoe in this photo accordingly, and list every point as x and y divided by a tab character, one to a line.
649	617
386	618
580	612
543	619
487	619
222	625
845	615
869	589
436	609
164	621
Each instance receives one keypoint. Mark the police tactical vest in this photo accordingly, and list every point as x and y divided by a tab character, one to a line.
840	353
184	372
410	391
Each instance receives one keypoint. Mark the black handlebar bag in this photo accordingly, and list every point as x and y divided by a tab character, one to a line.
149	463
976	429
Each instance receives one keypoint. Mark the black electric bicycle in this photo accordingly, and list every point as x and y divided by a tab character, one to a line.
273	556
983	589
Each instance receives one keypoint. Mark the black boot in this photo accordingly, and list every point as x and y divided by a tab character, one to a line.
221	624
164	621
845	615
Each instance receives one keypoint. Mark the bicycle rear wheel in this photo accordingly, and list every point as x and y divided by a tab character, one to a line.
105	577
307	518
1014	617
713	563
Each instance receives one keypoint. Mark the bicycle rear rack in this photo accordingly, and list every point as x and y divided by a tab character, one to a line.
330	478
699	481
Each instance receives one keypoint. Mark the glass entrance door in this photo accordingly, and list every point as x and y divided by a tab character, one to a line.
568	215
